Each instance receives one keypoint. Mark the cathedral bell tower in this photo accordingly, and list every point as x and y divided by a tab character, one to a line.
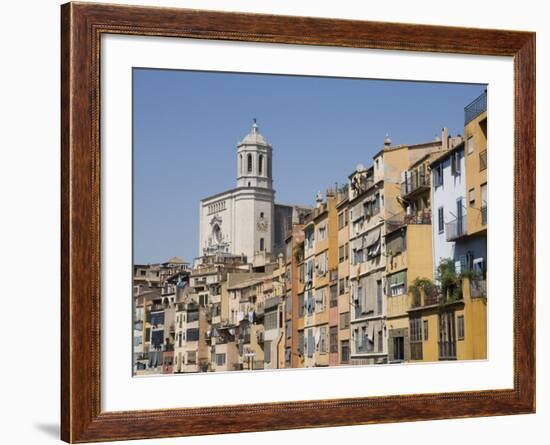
254	155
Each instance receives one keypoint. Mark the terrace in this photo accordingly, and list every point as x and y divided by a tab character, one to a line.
475	108
456	229
403	219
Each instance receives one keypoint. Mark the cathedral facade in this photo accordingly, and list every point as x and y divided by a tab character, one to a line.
241	220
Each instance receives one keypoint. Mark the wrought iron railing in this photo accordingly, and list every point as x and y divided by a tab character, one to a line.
475	108
478	288
415	180
403	219
483	160
456	228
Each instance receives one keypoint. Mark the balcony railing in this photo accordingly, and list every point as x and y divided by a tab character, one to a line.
475	108
414	182
403	219
428	296
456	228
478	288
483	160
484	215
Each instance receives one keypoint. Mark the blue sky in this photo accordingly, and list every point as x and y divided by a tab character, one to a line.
187	125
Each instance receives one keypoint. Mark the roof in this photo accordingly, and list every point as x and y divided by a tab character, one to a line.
444	155
254	137
175	260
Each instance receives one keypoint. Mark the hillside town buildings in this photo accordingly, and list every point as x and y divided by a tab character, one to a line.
388	267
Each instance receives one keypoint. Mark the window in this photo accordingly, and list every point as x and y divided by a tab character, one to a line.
220	359
344	351
344	320
203	300
342	219
261	245
447	336
249	164
333	296
341	287
470	145
460	327
192	334
440	222
267	351
288	329
438	175
455	163
270	320
323	334
472	197
397	283
416	338
320	299
301	305
398	348
321	263
322	232
310	343
288	305
379	297
260	164
425	330
301	342
333	339
191	357
341	254
346	251
371	205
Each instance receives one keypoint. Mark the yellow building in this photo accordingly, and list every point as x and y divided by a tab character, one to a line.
408	259
320	279
343	280
475	136
294	287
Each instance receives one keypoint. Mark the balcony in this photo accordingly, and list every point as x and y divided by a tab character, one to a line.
475	108
415	182
478	288
484	215
402	219
483	160
456	229
427	296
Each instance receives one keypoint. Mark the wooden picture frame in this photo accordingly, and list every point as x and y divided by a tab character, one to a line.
82	26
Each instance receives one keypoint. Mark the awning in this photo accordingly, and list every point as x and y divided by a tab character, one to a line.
371	331
357	243
372	237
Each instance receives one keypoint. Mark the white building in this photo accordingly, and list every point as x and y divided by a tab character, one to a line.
449	228
240	221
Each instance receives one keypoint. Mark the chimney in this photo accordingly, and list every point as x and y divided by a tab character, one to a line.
444	139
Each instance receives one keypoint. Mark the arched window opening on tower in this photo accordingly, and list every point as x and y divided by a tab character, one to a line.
261	245
241	167
249	162
260	164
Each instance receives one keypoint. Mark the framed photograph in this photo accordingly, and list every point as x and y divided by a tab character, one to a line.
274	222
